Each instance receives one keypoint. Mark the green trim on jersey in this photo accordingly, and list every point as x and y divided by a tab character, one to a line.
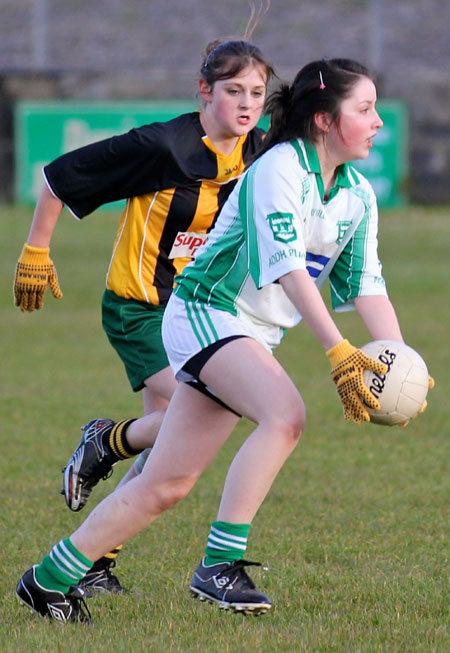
347	274
310	161
246	211
219	274
352	260
253	245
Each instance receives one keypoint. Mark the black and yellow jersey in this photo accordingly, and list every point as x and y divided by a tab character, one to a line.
175	182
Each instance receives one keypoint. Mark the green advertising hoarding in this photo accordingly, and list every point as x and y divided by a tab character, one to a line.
387	164
45	130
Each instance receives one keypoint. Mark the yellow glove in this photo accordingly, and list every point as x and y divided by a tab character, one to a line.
348	365
34	271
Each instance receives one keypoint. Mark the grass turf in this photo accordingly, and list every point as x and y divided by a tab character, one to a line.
353	535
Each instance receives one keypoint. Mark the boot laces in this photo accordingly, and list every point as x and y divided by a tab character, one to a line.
81	611
238	567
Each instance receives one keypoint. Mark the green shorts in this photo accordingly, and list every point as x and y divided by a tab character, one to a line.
134	330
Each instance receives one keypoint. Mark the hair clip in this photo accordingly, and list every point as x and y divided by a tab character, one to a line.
322	85
220	46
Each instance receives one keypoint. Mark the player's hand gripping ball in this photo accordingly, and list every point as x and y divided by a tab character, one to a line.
349	365
402	391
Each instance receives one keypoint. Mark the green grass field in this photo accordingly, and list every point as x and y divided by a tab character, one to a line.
354	534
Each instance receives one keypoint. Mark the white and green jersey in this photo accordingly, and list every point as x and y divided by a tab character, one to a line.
278	220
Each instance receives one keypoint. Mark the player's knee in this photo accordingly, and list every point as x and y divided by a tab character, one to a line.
291	424
293	429
166	495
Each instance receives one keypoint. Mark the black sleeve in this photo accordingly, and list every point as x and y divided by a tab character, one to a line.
141	161
253	144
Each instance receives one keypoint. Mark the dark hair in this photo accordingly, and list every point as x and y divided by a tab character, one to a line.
320	86
226	59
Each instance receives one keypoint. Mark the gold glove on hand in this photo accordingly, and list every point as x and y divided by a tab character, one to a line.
34	271
349	364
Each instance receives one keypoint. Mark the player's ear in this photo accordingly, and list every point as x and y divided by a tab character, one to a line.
322	120
205	90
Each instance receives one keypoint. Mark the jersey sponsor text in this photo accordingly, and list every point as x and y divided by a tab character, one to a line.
186	244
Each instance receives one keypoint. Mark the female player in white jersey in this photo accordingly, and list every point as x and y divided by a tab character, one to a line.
176	177
285	220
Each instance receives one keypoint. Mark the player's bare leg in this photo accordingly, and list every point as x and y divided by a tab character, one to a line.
158	390
252	382
275	405
270	399
139	434
104	442
176	462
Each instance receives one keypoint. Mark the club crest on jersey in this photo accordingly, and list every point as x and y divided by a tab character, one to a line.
186	243
282	225
343	225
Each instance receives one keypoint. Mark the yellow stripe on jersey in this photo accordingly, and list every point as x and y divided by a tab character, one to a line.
140	267
131	272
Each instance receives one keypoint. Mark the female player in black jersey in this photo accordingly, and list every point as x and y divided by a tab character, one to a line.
175	177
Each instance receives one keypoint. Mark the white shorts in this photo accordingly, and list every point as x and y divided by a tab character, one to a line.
190	327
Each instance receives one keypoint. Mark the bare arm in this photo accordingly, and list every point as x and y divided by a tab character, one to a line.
347	362
304	294
46	214
379	316
35	269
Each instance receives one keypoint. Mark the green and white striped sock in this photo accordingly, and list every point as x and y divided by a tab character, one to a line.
63	567
226	542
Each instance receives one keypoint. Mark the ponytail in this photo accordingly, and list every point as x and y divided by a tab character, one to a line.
320	86
278	107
